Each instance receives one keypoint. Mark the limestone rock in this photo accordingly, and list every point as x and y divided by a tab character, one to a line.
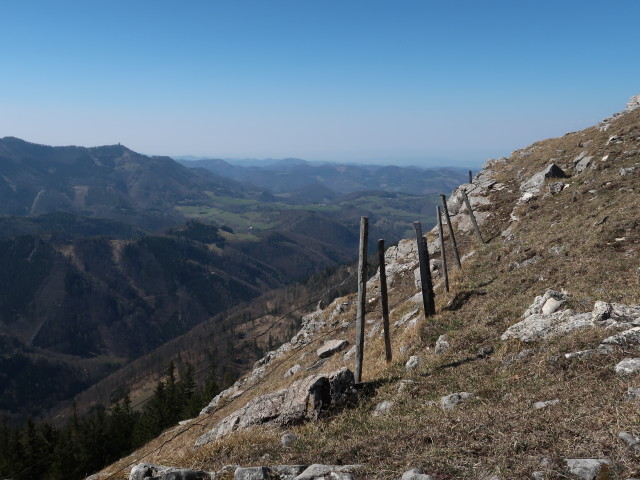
540	327
586	468
293	370
442	344
581	162
547	303
632	442
407	317
337	472
252	473
627	338
288	472
150	471
631	394
416	474
448	402
548	403
633	103
533	185
305	399
330	347
628	366
413	362
382	408
616	313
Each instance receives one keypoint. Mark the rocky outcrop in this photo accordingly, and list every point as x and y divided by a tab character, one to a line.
305	399
542	320
331	347
150	471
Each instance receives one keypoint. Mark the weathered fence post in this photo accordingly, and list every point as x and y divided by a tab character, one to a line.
384	301
456	255
428	297
443	256
472	216
362	293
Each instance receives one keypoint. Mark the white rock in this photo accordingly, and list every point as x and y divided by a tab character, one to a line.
331	347
633	103
548	403
442	344
382	408
416	474
586	468
628	366
293	370
626	338
448	402
413	362
540	327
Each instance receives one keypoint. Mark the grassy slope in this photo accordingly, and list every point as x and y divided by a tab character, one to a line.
498	432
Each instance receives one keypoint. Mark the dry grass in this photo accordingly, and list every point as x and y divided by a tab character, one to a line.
499	431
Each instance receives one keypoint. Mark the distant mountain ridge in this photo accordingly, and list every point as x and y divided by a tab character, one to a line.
108	182
290	174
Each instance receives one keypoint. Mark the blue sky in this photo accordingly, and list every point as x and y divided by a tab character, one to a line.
402	81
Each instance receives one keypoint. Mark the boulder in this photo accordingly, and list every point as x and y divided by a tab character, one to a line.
587	468
150	471
442	344
416	474
335	472
413	362
448	402
330	347
632	442
627	338
533	185
305	399
293	370
252	473
628	366
616	313
540	326
547	303
548	403
633	103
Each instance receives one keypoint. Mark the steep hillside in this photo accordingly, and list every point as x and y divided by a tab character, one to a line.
529	369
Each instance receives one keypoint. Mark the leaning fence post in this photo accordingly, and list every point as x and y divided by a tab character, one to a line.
443	256
428	297
384	300
472	216
362	293
456	255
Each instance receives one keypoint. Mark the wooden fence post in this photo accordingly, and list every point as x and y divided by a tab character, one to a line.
443	256
428	297
362	293
456	255
472	216
384	301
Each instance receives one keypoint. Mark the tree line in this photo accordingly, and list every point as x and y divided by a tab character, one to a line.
88	442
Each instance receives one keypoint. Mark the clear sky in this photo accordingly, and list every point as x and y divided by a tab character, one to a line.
397	81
